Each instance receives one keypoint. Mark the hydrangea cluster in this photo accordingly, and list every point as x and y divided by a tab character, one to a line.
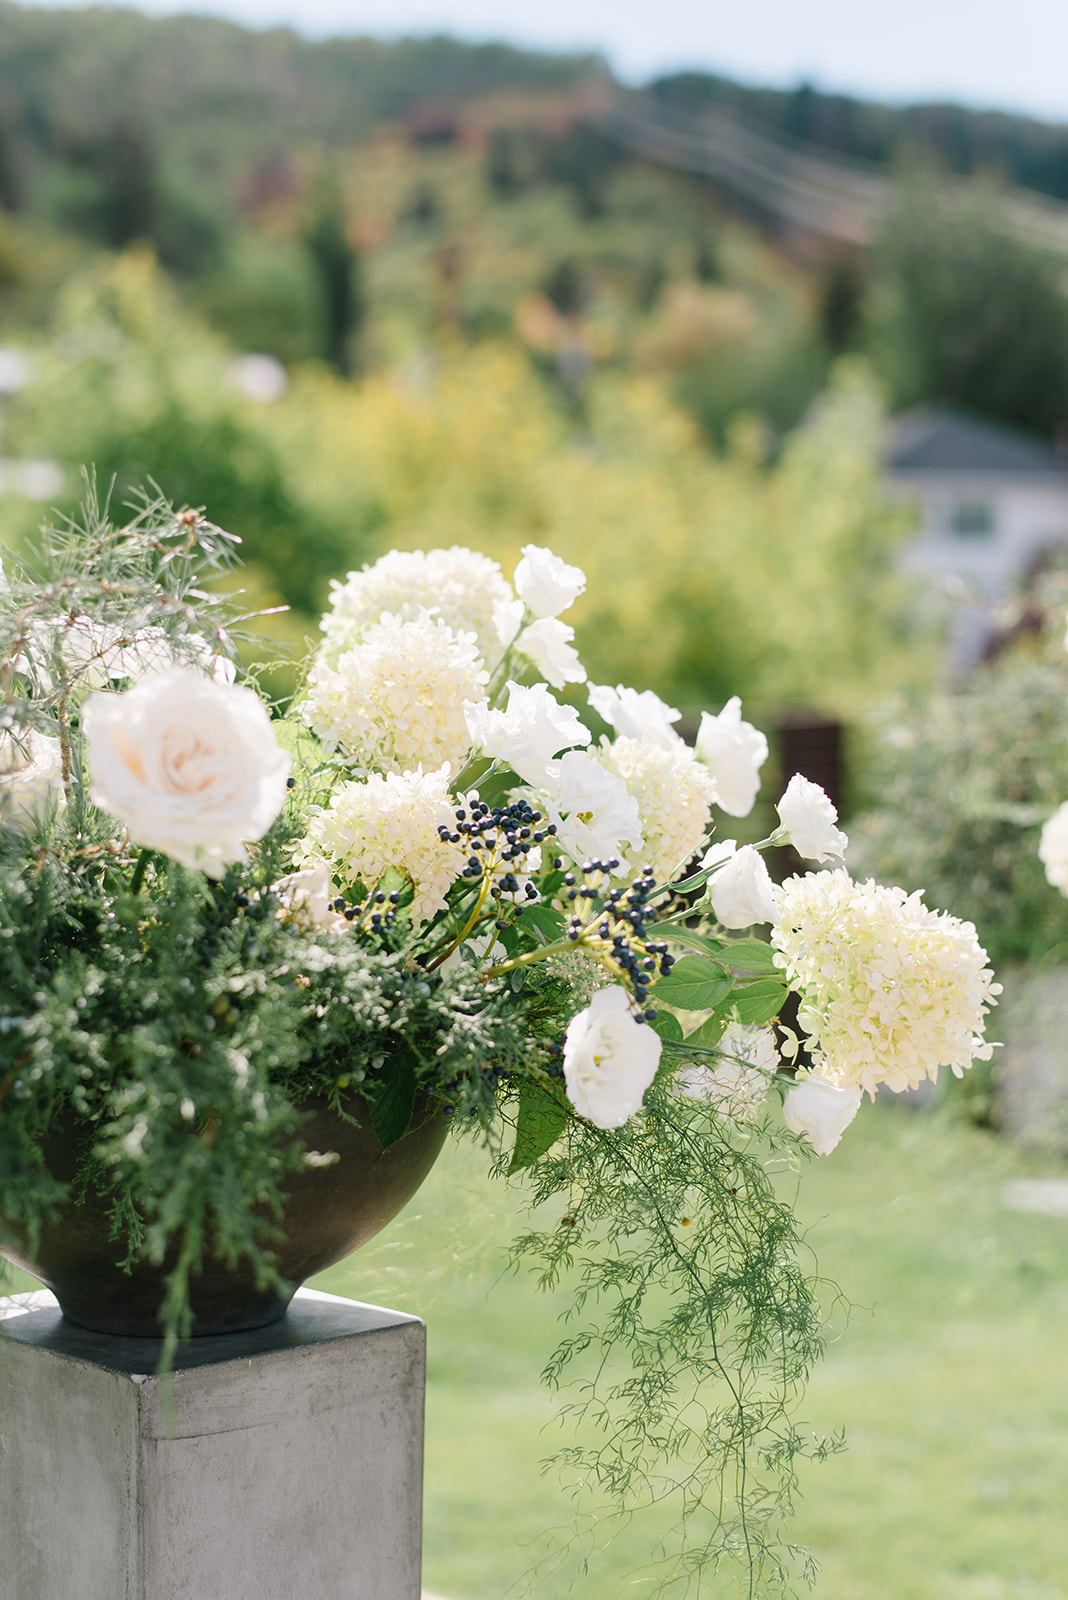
891	991
674	794
395	700
402	820
461	585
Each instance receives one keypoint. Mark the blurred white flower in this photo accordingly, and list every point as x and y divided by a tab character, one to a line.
311	890
396	699
392	821
547	643
507	620
190	766
461	585
890	991
738	1085
821	1110
545	584
741	890
31	778
809	818
734	752
1053	848
636	716
594	813
610	1059
532	729
674	793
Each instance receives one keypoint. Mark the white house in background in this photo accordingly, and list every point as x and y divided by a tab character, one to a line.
990	501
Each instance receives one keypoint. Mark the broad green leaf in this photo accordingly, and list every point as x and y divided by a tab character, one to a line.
542	1118
750	955
759	1001
543	920
694	984
709	1033
667	1025
391	1100
679	933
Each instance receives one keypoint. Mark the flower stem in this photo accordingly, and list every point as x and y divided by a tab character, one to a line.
139	871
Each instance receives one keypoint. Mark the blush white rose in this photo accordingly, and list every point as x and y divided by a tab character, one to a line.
808	818
610	1059
31	778
734	752
740	889
192	767
821	1110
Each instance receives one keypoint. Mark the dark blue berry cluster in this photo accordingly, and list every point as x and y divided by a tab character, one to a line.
613	922
499	839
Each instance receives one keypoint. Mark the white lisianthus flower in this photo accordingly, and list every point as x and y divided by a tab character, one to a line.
507	620
610	1059
1053	849
674	793
391	821
396	699
545	584
312	891
734	752
738	1085
594	813
636	716
461	585
821	1110
741	890
532	729
547	643
890	991
190	766
31	778
808	817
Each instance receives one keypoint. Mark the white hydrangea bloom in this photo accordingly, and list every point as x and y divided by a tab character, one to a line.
396	699
636	716
594	813
462	585
1053	849
674	793
738	1085
890	990
390	821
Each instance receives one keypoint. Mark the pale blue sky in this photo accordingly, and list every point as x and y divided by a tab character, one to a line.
981	52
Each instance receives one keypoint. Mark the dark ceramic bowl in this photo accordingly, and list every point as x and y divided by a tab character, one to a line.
329	1212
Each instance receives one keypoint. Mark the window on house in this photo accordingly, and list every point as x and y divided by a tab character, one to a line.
972	519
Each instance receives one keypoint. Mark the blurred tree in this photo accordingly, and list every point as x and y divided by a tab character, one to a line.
337	268
966	313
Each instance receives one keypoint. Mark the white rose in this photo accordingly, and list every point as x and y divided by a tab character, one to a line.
311	890
809	818
545	584
610	1059
548	644
533	729
1053	849
641	716
734	752
821	1111
190	766
741	890
31	778
593	810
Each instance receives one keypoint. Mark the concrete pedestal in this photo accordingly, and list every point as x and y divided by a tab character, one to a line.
292	1468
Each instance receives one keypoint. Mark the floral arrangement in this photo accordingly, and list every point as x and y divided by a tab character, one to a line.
435	877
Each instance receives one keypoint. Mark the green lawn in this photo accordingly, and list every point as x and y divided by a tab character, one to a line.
950	1378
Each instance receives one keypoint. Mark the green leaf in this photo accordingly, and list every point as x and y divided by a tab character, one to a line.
759	1001
543	1115
391	1100
750	955
694	984
666	1025
679	933
543	920
709	1033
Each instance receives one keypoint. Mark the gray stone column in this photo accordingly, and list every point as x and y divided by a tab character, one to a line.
289	1469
